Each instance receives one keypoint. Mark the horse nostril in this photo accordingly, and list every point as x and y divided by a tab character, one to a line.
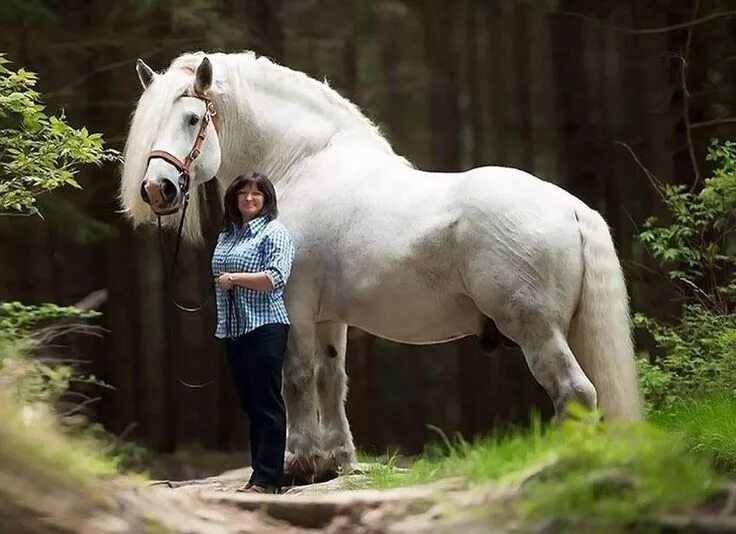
168	190
144	195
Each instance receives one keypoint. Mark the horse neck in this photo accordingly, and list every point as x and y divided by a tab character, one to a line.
282	118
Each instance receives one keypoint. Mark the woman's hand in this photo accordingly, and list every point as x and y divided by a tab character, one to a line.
225	281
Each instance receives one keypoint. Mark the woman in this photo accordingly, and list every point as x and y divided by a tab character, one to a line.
251	263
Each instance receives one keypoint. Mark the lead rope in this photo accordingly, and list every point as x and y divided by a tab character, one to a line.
232	305
169	276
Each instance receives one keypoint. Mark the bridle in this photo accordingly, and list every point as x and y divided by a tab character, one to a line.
184	180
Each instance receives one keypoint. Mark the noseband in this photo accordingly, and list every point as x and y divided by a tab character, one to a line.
183	166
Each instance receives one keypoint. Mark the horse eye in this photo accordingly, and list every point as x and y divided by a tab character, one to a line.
193	120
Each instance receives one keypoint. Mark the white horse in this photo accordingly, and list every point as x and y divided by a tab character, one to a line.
411	256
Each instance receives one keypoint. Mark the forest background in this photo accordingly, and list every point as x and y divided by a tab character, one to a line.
616	101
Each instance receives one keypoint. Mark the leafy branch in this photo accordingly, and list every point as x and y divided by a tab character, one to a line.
38	152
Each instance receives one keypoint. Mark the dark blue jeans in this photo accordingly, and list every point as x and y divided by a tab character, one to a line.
256	359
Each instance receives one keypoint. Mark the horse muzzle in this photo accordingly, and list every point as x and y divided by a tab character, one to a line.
162	195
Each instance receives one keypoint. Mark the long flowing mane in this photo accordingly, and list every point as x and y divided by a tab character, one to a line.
245	89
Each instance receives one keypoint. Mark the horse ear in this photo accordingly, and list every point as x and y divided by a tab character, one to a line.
145	73
203	78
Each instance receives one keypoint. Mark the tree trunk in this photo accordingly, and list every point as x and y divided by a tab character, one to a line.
389	37
264	23
438	21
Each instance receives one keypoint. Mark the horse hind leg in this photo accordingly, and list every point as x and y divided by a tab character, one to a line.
337	440
551	360
553	365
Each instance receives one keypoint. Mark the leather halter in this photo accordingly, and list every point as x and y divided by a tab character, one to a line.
183	166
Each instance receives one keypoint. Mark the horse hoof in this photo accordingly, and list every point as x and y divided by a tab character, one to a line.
338	460
302	469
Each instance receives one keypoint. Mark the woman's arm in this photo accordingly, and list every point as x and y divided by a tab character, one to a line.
258	281
279	253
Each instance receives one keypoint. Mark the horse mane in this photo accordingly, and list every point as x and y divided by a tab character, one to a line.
237	79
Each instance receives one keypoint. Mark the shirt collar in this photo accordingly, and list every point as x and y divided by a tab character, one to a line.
256	225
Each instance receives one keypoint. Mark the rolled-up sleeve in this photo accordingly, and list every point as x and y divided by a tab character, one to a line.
279	255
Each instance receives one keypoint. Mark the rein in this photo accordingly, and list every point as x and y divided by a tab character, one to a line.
169	273
184	182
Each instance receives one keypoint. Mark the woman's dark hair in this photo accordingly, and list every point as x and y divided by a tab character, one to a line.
263	184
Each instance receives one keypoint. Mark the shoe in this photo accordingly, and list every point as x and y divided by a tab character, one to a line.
245	488
257	488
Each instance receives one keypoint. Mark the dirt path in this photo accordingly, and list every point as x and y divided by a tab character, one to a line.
213	506
451	506
334	507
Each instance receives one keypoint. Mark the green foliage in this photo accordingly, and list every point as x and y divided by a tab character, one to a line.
720	190
17	320
30	438
696	245
695	352
41	153
35	385
35	380
127	456
608	475
32	444
697	357
707	425
38	152
596	476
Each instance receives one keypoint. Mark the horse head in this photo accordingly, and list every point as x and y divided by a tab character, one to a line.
185	150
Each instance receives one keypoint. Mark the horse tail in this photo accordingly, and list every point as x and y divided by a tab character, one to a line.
600	333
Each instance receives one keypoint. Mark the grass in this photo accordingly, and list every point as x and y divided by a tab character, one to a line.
708	426
31	442
32	445
599	475
615	474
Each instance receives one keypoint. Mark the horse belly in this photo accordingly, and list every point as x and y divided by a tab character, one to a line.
412	315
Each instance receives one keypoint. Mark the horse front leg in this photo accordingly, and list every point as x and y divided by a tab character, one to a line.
303	455
332	386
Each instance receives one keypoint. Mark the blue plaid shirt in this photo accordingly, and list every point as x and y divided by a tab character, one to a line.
261	245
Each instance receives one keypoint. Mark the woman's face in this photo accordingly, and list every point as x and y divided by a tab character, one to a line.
250	202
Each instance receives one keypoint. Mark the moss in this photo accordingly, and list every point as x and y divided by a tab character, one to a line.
582	474
153	526
613	475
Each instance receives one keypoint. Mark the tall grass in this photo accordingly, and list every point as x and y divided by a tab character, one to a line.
601	474
31	438
708	426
